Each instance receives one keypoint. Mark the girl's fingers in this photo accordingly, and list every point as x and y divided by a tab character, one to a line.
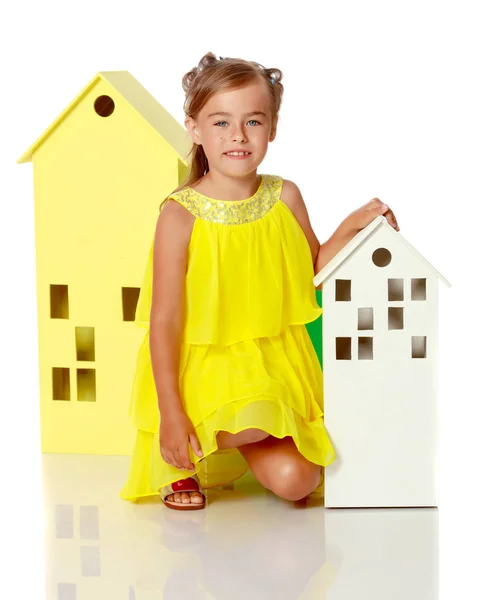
178	461
185	460
374	203
170	458
391	219
182	462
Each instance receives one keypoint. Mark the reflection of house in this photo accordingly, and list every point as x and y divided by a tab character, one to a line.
380	299
101	171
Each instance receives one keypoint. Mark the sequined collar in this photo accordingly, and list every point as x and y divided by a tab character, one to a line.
232	212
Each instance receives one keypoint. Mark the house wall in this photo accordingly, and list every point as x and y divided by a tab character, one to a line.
98	184
381	412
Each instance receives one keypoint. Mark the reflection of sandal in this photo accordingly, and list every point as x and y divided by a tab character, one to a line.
190	484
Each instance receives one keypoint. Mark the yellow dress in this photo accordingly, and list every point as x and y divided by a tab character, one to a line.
246	358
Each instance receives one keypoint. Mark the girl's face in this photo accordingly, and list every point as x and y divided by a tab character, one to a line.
245	124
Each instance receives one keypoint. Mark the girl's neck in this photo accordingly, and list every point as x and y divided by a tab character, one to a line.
226	188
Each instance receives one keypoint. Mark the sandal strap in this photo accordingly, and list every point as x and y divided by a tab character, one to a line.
190	484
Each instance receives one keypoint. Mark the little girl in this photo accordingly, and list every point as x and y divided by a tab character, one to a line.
227	365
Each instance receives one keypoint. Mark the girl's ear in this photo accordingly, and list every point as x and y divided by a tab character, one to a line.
274	125
190	124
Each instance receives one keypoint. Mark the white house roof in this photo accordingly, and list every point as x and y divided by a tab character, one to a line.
141	101
356	241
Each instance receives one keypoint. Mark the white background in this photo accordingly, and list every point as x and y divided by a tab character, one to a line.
380	101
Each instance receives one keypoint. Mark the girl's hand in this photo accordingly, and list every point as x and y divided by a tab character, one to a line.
361	217
176	430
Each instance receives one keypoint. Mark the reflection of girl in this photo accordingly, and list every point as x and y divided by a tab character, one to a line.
254	558
227	361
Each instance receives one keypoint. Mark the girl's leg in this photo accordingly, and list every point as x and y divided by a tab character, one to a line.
225	440
279	466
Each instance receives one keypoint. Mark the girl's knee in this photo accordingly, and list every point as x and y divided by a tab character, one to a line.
279	467
294	479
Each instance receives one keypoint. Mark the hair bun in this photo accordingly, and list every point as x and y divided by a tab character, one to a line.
274	74
208	60
188	78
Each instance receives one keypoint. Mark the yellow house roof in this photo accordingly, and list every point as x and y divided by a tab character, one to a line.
140	100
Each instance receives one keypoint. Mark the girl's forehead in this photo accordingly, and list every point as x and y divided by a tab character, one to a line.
253	87
239	101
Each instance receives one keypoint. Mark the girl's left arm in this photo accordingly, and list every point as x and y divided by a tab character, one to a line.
357	220
291	196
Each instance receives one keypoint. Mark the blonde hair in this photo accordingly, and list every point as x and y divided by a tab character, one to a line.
213	75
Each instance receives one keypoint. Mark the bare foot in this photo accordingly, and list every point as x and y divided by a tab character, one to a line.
186	497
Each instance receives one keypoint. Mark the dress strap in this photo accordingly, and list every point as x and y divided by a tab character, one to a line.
234	212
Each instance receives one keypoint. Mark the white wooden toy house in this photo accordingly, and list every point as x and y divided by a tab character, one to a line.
380	344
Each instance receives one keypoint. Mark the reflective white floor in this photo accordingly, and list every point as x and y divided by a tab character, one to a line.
246	543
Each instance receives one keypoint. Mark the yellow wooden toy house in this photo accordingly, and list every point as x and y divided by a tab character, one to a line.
100	172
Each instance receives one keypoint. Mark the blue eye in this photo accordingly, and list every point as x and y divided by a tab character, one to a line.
248	121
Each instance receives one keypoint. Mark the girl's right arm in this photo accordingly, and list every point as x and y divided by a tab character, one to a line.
170	256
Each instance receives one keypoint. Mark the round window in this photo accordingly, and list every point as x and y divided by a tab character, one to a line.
381	257
104	106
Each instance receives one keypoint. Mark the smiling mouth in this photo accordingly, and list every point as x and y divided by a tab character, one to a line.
237	153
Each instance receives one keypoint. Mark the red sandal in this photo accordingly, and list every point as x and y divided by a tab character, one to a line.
190	484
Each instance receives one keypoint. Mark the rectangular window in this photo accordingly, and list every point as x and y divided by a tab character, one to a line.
66	591
418	289
365	318
343	290
395	289
343	348
418	346
365	348
86	385
129	297
395	317
61	383
85	343
64	521
59	301
89	523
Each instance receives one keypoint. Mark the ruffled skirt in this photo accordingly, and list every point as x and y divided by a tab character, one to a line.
272	383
